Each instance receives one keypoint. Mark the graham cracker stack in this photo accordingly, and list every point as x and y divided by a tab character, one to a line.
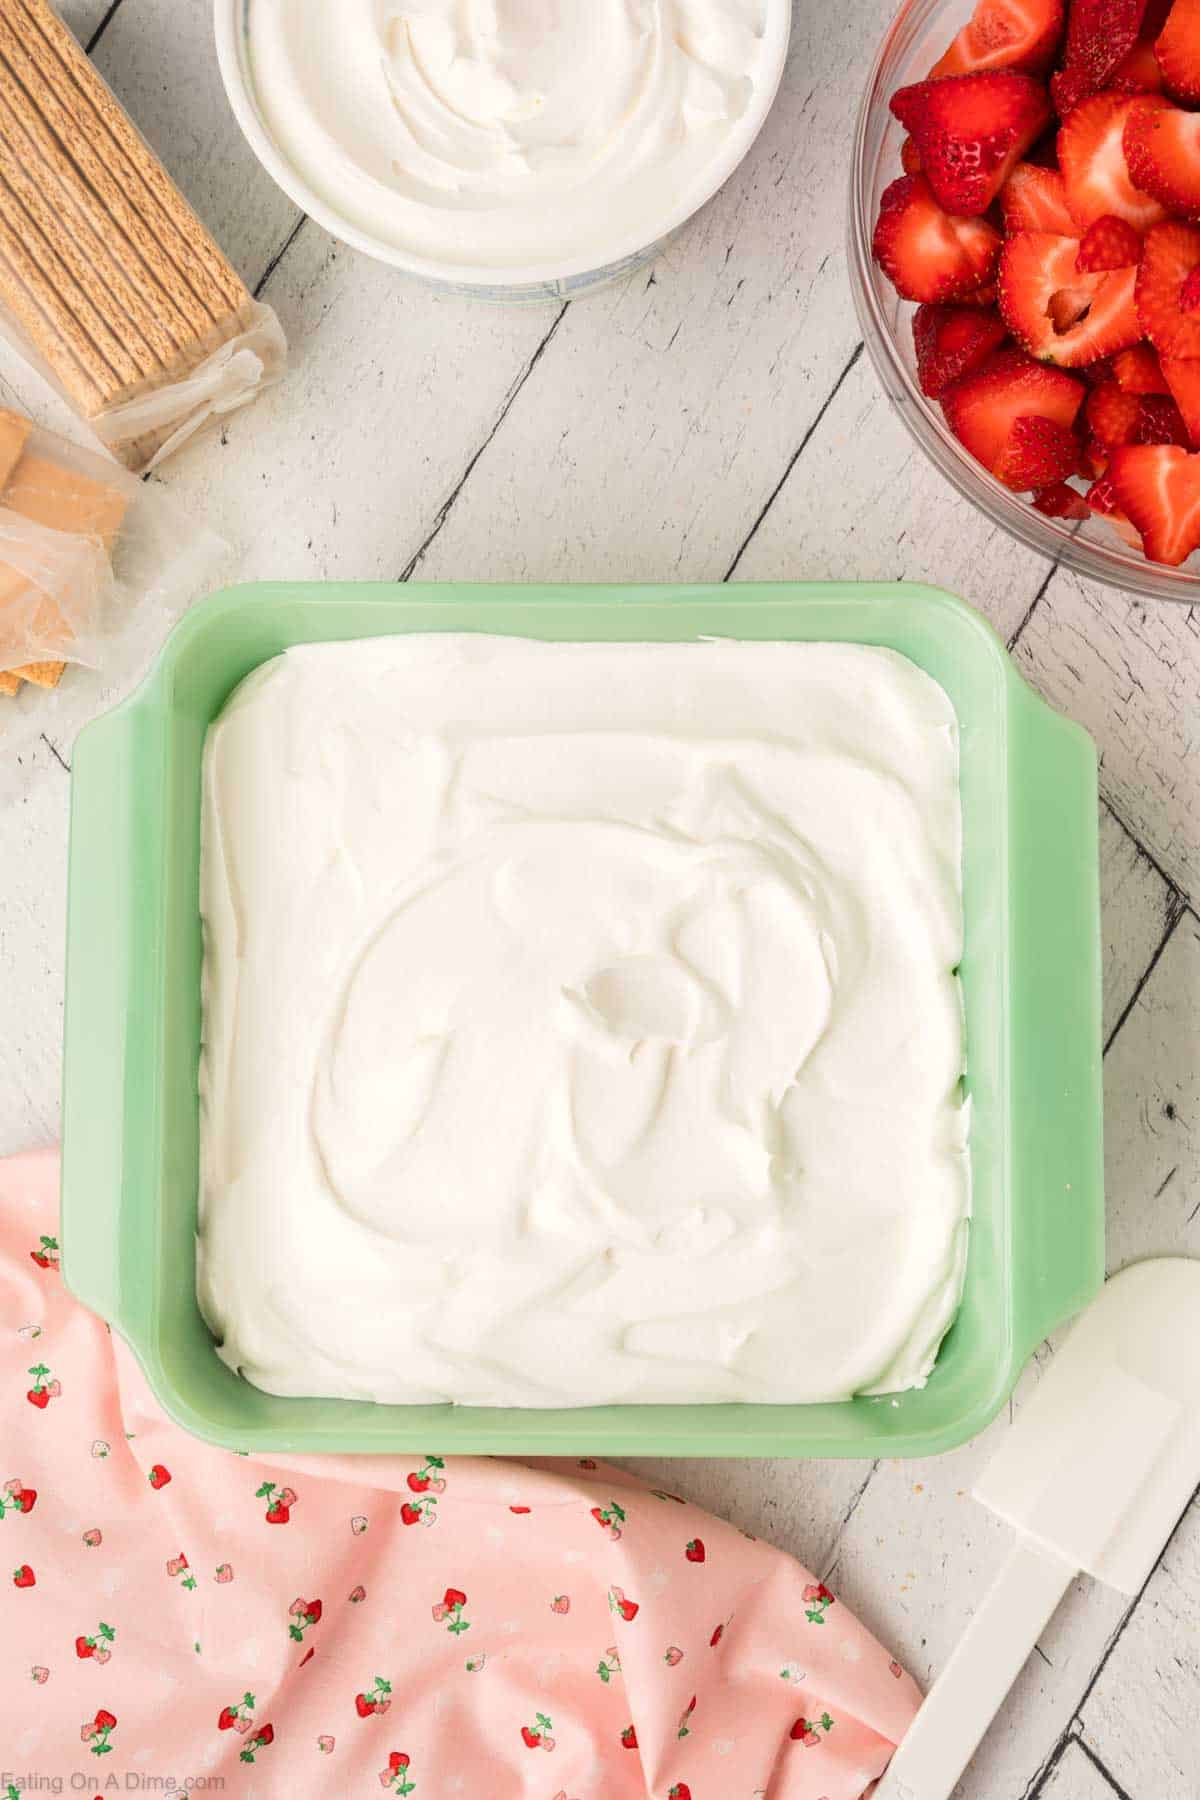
106	273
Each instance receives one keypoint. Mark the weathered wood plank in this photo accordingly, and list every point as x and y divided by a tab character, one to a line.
1140	1717
1076	1777
1130	671
864	502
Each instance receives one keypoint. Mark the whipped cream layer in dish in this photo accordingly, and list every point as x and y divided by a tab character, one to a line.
581	1022
539	137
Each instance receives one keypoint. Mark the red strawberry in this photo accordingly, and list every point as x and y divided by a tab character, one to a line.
1138	71
1108	243
1058	501
1057	314
1039	452
364	1705
681	1791
454	1597
1091	156
26	1499
1169	255
1177	51
628	1610
1139	371
1035	199
695	1551
159	1476
926	253
983	408
1112	415
278	1514
105	1720
1160	422
418	1483
629	1738
1099	34
716	1637
227	1719
24	1577
1183	377
520	1509
82	1648
1005	34
41	1259
39	1397
397	1760
970	131
266	1734
1157	486
950	341
313	1610
1162	153
410	1515
799	1730
532	1738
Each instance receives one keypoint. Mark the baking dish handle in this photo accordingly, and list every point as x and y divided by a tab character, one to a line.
1057	1175
112	899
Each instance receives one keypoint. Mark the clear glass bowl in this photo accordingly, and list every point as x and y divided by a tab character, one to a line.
915	39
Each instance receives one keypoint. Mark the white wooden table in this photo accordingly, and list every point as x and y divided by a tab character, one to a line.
714	416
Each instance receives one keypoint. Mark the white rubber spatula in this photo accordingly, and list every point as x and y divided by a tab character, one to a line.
1094	1474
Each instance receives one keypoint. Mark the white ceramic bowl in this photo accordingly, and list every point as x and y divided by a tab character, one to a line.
529	284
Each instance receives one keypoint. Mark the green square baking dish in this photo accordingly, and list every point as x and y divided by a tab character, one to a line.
1030	973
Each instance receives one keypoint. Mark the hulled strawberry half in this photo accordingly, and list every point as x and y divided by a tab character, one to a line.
1005	34
1057	270
928	254
970	130
1058	314
1017	417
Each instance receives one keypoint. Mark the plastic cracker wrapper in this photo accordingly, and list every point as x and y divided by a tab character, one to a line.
109	283
85	549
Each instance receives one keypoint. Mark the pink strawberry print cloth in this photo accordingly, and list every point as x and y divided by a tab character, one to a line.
411	1625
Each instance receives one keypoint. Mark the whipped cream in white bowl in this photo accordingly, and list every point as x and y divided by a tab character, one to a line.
512	149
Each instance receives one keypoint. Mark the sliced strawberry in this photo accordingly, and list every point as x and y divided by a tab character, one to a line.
1034	199
1091	155
1157	486
1177	51
1038	452
1101	499
970	130
910	157
1162	153
1112	415
1182	375
927	253
1098	372
1169	255
952	340
1058	501
1189	293
1005	34
983	410
1094	460
1160	422
1139	371
1059	315
1138	71
1099	34
1108	243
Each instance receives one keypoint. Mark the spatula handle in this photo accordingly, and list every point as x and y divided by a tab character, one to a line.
971	1689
